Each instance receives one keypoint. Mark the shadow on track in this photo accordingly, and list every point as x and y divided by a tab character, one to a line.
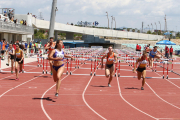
132	88
98	86
47	99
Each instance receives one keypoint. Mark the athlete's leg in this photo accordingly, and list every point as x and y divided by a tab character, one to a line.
16	69
59	74
54	75
111	74
12	64
107	71
139	74
144	76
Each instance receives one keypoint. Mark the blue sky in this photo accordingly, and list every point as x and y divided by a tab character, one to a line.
129	13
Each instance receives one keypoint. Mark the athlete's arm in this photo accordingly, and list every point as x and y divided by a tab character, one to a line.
147	50
102	60
22	56
13	53
160	54
115	57
66	56
47	46
136	64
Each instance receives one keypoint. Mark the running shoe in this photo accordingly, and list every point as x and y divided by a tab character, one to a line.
109	85
142	88
56	94
17	79
51	73
11	72
7	64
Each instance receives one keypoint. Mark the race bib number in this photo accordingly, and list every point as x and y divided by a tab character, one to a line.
111	59
60	55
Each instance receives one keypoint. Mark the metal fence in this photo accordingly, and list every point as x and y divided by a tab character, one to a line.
16	28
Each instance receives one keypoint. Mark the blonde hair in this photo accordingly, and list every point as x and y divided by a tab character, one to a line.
144	52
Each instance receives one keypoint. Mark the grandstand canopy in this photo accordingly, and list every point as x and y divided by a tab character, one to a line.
165	42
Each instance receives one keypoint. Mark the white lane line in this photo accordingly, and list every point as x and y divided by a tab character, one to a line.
19	85
19	73
170	81
42	106
130	103
87	103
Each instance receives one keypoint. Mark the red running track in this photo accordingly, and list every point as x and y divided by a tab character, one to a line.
88	97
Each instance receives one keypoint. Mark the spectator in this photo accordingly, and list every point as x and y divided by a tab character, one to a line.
1	18
171	51
137	47
25	49
25	23
15	21
28	13
14	45
167	52
5	20
3	44
4	13
21	22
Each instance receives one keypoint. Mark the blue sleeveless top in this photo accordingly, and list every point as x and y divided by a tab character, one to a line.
152	52
59	54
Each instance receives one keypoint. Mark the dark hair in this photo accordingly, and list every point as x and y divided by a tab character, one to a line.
57	43
17	44
155	46
51	38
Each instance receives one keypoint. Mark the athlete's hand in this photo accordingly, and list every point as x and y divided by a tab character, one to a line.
134	71
72	58
59	58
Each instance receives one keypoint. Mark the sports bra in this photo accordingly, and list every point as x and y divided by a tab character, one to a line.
58	54
110	59
52	46
143	63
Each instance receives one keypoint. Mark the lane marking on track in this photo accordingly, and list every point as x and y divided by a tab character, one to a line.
87	103
15	74
19	85
159	96
41	102
169	81
130	103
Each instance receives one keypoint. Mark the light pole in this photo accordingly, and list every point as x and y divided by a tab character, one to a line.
149	27
152	26
112	22
108	19
160	26
52	19
115	23
156	27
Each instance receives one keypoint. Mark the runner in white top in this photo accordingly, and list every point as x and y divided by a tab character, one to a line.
11	53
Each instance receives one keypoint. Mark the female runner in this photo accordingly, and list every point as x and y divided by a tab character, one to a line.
153	54
141	70
57	56
109	67
11	53
50	46
19	60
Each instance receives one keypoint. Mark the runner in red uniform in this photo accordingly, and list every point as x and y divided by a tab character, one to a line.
50	46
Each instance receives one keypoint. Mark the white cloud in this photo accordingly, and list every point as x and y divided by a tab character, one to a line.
130	13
